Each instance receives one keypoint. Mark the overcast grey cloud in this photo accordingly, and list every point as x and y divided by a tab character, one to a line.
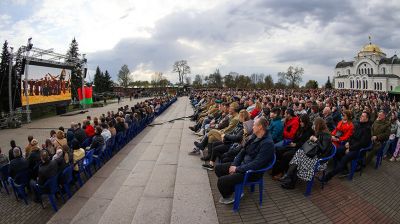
244	36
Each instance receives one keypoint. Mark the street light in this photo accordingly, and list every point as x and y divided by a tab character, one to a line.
9	82
83	76
27	50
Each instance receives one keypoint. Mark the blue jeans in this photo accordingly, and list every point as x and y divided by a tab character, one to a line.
282	144
390	146
342	163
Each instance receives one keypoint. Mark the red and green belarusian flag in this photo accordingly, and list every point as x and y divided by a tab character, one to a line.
88	95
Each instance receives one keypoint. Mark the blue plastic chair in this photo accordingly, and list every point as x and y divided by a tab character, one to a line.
118	141
81	170
4	177
109	147
316	169
52	188
240	187
360	158
86	143
66	179
19	183
88	162
379	156
98	156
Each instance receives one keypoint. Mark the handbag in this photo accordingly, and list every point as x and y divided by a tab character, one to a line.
339	133
310	148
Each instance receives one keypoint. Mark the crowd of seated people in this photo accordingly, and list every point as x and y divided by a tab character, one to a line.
242	128
63	149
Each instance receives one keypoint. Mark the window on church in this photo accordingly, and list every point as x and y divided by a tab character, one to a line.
384	70
372	71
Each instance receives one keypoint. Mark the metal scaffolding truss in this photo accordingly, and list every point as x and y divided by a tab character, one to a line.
49	56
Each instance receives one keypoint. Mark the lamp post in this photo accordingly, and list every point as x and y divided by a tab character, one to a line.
9	82
83	79
28	48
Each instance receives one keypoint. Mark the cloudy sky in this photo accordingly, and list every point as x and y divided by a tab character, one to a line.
253	36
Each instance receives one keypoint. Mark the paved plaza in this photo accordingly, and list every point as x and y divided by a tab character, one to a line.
40	129
153	180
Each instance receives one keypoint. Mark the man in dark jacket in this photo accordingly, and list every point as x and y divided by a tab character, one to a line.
47	170
256	155
361	138
79	134
18	164
327	116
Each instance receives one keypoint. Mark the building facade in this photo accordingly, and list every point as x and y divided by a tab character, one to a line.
370	70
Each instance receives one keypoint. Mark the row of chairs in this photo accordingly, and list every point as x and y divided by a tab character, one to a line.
61	183
360	160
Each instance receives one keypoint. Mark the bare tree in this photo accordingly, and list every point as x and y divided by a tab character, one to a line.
294	76
156	78
182	68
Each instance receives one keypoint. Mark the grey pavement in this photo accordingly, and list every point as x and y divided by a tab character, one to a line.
151	180
40	129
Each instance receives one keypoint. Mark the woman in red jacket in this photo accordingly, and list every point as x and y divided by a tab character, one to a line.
89	130
257	109
343	130
289	128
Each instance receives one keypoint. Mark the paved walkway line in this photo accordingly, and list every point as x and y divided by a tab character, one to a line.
193	201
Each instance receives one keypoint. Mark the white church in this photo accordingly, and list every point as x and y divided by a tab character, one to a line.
370	70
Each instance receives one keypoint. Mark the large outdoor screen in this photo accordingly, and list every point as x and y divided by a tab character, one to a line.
46	84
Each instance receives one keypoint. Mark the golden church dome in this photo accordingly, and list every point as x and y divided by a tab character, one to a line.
371	48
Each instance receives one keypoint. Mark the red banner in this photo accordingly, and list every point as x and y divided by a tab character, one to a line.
88	92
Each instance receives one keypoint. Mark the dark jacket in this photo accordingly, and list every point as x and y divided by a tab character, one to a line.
70	135
46	171
329	122
336	116
324	144
34	161
80	135
224	122
11	153
34	158
235	136
120	127
17	165
256	154
97	141
361	137
302	135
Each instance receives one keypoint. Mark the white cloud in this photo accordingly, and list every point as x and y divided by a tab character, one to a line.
243	36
